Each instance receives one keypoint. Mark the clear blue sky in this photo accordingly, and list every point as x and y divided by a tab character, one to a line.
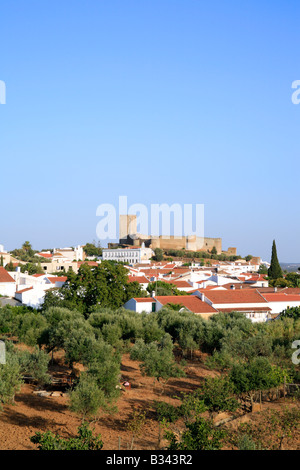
165	101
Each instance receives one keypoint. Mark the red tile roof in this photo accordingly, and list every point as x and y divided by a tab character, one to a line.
191	302
179	283
235	296
282	297
45	255
290	290
139	279
24	290
4	276
53	280
144	299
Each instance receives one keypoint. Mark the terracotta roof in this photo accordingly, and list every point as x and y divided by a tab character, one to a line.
239	285
5	276
269	290
155	272
235	296
290	290
179	283
191	302
24	290
45	255
144	299
282	297
139	279
53	280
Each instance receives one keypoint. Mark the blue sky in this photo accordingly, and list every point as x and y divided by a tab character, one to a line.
164	101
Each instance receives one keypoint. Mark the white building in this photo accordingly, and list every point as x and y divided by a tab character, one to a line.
7	283
129	255
70	254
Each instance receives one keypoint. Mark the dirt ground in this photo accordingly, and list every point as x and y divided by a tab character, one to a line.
32	413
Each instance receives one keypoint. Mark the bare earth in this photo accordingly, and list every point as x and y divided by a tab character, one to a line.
32	413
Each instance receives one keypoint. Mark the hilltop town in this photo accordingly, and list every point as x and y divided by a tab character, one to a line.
86	329
212	280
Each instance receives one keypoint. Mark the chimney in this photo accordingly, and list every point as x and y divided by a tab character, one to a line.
275	289
153	294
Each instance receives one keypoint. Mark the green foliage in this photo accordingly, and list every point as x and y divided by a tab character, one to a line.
83	441
157	359
259	374
166	412
29	326
164	288
159	254
26	253
217	395
262	269
87	398
130	323
280	282
292	312
294	279
35	364
274	271
214	251
32	267
198	435
105	285
10	378
93	249
66	330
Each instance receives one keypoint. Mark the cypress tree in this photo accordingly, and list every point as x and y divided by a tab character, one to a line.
274	271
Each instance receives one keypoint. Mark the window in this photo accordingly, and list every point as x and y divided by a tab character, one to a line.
153	306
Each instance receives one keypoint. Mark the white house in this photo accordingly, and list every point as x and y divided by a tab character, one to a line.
31	296
154	304
142	304
7	283
279	301
247	301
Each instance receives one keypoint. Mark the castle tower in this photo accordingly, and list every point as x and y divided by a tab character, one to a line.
127	227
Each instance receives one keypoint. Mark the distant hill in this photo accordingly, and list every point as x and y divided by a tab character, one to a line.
290	267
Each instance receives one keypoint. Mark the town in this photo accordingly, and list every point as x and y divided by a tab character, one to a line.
207	285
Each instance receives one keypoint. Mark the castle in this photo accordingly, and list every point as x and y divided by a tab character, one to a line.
128	236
